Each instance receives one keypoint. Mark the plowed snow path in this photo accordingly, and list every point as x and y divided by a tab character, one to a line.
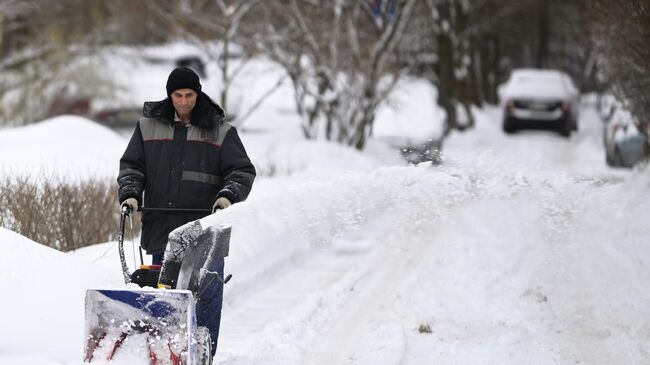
277	296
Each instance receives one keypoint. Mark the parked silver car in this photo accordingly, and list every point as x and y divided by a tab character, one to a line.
539	99
625	144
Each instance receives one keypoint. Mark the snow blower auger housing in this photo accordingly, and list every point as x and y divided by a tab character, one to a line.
143	325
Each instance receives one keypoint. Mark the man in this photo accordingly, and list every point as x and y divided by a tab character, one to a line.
184	155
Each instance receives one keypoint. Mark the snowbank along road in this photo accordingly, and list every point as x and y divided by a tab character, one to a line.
520	249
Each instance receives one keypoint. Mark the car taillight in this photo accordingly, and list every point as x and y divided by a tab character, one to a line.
510	104
566	106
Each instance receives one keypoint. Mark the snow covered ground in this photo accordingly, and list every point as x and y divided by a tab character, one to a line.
518	249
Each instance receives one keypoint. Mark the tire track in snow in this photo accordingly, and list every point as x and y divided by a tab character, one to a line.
366	329
368	325
282	302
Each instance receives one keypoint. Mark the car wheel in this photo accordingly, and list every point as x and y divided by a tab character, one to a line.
608	158
618	158
204	346
566	129
508	127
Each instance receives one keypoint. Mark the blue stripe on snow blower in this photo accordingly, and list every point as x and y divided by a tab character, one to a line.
154	304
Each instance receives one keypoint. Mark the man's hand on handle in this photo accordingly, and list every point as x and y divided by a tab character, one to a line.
132	204
221	203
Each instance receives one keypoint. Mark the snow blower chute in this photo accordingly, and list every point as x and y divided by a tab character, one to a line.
144	325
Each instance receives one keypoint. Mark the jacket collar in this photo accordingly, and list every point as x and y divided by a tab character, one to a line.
206	113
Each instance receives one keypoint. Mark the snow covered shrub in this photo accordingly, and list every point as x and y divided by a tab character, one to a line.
61	215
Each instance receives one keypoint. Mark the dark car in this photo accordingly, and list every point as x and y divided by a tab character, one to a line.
118	117
540	99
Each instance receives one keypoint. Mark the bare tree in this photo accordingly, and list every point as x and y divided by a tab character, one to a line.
621	32
39	46
340	56
202	22
449	20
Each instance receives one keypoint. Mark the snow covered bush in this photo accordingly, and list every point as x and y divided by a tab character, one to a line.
340	56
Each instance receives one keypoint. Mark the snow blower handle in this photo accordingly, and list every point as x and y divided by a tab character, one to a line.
124	212
174	210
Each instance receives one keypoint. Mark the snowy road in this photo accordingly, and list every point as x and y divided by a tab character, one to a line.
522	249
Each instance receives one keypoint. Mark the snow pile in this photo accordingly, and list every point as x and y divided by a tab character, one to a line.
284	156
67	147
42	306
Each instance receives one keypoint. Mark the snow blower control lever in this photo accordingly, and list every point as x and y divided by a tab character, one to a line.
120	243
147	275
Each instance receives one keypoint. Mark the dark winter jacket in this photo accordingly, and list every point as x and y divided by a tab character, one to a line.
182	166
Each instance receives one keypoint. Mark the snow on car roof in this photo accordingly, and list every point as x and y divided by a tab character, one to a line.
533	83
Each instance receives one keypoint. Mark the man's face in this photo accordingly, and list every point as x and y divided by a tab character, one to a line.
184	101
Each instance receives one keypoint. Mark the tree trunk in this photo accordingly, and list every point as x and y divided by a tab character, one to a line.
544	34
446	77
224	71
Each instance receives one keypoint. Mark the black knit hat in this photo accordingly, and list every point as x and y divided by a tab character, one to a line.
183	78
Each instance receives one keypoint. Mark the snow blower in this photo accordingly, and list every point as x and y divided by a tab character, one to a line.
145	325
